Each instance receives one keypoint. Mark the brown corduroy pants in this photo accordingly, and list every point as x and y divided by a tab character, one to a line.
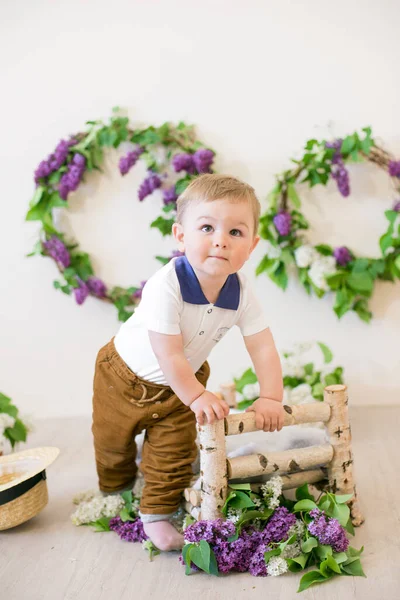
123	406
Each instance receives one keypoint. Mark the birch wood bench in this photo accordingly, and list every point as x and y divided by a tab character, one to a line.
330	465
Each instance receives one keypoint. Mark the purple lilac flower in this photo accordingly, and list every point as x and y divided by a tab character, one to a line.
183	162
278	526
71	179
55	248
210	531
54	161
339	171
236	556
81	292
148	186
342	255
128	161
328	531
283	222
341	176
131	531
396	206
203	160
247	552
170	195
257	565
97	287
138	293
394	168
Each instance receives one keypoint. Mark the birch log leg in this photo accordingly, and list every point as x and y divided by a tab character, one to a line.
340	469
213	470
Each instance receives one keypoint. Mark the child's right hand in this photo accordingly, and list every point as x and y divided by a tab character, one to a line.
209	407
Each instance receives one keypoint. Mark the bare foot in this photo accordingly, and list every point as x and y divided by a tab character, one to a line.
164	535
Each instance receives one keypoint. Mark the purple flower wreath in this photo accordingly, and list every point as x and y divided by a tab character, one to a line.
67	167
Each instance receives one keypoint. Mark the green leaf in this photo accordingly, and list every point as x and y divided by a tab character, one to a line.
323	551
200	556
360	282
343	498
240	501
348	144
353	554
17	433
385	242
164	260
332	564
248	377
326	352
318	391
309	544
4	400
186	552
37	196
182	184
240	486
349	527
354	568
292	193
324	249
297	563
102	524
38	212
340	557
304	505
164	225
125	515
279	276
302	493
310	578
391	215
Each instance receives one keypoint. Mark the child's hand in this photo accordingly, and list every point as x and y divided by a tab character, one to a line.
209	407
269	414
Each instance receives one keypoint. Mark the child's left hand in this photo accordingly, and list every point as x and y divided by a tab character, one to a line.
269	414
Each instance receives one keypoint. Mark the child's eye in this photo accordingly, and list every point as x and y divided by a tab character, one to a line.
236	232
206	228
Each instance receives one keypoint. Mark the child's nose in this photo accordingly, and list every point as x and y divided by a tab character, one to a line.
220	240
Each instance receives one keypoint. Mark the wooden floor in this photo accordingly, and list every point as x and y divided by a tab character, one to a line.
48	558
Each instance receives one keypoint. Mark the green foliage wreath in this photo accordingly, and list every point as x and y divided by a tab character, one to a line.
321	268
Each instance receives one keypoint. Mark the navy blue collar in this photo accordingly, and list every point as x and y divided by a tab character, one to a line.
192	293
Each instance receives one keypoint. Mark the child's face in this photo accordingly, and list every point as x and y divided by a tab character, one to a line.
217	237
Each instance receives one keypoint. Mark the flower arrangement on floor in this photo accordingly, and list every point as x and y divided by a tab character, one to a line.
173	157
263	532
322	268
12	429
303	380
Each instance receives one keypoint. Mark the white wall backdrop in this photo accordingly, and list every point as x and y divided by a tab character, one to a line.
257	78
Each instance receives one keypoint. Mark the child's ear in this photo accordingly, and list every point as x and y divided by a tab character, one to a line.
177	232
254	244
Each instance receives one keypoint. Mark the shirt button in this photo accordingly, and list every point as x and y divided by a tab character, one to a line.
155	416
201	332
209	310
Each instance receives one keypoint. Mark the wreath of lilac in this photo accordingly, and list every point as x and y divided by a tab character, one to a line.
322	268
167	150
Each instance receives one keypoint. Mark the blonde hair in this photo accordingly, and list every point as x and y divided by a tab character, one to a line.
211	187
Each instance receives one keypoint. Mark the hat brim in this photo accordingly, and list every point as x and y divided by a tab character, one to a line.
20	466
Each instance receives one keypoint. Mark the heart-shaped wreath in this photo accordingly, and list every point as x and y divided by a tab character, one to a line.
166	150
322	268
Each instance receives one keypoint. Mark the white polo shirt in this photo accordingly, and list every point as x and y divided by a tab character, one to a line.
173	303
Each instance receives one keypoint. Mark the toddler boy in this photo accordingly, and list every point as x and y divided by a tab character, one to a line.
152	376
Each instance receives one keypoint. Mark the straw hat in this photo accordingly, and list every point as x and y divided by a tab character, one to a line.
23	487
